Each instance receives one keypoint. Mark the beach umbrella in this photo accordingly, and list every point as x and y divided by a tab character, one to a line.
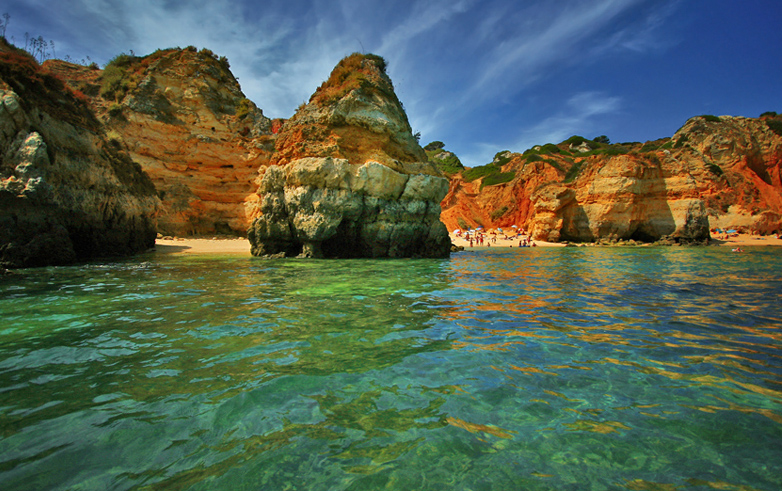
732	231
719	230
456	231
513	226
499	230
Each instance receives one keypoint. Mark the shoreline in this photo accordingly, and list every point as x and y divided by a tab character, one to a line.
241	246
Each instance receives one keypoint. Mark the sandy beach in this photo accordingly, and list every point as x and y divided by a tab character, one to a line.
241	246
238	246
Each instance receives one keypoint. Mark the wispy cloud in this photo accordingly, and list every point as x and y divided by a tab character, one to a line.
531	54
644	36
576	116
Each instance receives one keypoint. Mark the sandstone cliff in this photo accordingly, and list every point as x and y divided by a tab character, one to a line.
182	116
67	193
714	173
348	179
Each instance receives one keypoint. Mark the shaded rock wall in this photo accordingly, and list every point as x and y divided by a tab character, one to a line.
324	207
66	193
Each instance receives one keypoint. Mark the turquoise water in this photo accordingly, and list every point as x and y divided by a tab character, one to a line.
519	369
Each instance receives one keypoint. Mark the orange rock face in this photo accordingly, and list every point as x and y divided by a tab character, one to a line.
182	116
714	173
471	204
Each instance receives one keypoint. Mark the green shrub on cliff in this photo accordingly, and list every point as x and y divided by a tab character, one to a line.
478	172
775	125
574	171
353	72
446	161
33	82
714	169
497	178
710	117
243	108
115	80
501	158
498	213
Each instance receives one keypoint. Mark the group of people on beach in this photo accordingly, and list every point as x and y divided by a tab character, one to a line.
477	238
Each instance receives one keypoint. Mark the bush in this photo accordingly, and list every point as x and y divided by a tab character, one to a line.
775	125
551	148
115	81
243	108
477	172
769	114
115	110
463	223
352	73
613	150
575	140
449	165
553	163
435	145
681	141
574	171
497	214
602	139
710	118
497	178
501	158
715	169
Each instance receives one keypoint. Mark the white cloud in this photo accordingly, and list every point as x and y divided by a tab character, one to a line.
577	115
532	53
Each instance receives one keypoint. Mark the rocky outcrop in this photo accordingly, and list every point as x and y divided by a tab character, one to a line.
622	198
713	173
182	116
348	178
66	192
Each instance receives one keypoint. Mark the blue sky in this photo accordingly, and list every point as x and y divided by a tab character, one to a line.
480	75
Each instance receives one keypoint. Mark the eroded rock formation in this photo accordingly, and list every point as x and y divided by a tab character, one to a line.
348	178
66	192
713	173
182	116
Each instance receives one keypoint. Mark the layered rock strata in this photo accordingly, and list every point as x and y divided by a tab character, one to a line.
348	178
715	172
182	116
622	199
66	192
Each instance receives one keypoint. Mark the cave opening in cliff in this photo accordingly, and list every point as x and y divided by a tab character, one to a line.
345	243
639	235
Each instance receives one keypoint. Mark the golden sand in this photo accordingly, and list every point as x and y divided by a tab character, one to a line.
241	246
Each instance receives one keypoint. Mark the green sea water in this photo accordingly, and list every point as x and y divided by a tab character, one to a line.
515	369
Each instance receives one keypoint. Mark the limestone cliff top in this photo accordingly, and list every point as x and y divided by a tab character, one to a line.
354	115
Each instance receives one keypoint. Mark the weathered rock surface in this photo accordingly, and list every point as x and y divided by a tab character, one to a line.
182	116
624	198
66	193
714	173
348	179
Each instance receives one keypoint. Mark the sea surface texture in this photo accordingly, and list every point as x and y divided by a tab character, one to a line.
513	369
